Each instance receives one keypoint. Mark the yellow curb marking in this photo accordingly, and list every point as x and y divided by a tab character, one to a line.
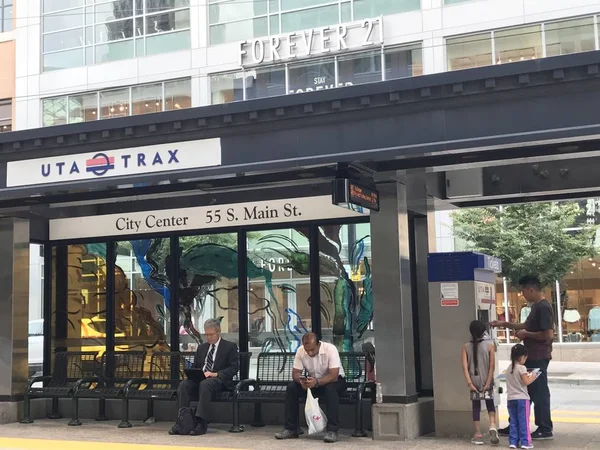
49	444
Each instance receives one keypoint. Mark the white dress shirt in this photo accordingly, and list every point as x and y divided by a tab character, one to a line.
319	365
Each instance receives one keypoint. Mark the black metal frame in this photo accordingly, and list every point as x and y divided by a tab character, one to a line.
62	280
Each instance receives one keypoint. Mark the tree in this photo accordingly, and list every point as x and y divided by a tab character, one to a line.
533	238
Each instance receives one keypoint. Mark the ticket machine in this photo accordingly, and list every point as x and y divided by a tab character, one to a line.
461	289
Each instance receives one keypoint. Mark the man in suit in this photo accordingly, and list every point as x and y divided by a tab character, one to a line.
219	360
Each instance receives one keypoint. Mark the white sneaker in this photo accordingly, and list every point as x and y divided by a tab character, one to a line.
494	439
512	446
526	446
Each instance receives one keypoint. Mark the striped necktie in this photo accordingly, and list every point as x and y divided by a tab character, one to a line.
209	359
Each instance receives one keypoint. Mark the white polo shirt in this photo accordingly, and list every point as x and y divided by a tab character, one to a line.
318	367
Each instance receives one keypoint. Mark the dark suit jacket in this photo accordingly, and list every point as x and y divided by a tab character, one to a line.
226	364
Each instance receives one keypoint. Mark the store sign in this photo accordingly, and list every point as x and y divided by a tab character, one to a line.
115	163
313	42
199	218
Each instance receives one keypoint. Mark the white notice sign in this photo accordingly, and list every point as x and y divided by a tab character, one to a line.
449	294
199	218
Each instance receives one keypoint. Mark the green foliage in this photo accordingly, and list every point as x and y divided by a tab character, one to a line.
529	239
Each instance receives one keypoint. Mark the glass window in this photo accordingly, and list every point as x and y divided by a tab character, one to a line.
168	42
114	103
142	306
309	18
452	2
570	36
268	82
5	116
208	286
233	10
80	318
238	31
345	274
297	4
63	39
171	21
360	69
164	5
365	9
36	310
63	20
83	108
518	44
147	99
114	51
54	111
312	77
279	309
467	52
227	88
178	94
346	12
6	15
57	5
109	21
106	12
114	31
403	62
63	60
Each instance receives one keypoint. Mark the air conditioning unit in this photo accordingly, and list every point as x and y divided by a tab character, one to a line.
464	183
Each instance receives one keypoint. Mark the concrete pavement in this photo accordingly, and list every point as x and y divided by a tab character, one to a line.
569	436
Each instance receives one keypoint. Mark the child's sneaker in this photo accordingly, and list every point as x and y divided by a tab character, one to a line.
526	446
477	439
512	446
494	439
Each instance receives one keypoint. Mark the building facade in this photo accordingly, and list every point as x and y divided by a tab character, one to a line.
83	61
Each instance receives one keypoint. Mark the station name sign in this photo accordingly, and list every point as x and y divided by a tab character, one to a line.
314	42
115	163
198	218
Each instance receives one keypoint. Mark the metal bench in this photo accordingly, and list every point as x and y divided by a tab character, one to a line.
118	368
274	373
69	367
162	383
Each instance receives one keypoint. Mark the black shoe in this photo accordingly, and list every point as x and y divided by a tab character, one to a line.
504	431
331	437
287	434
542	435
200	429
174	431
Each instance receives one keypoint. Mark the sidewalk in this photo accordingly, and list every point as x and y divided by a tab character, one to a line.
571	373
58	436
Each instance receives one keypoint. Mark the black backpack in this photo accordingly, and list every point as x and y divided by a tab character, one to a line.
185	421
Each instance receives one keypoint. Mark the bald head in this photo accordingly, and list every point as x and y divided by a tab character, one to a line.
310	342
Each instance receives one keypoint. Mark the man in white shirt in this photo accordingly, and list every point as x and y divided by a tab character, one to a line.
326	379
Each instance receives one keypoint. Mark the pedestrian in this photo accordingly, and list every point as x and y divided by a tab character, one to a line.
478	363
537	334
517	381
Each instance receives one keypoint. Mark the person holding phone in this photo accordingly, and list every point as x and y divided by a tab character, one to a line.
537	334
326	379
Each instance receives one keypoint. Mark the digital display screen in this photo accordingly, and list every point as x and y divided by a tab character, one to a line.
363	196
350	193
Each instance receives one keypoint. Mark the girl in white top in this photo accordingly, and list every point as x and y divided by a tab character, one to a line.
517	380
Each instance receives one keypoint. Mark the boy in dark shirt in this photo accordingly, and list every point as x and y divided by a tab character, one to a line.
537	334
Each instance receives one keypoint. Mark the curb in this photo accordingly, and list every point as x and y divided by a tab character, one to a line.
573	382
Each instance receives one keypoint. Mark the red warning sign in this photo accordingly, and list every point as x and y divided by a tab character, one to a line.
449	302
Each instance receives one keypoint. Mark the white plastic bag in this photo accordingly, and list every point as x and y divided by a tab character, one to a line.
315	418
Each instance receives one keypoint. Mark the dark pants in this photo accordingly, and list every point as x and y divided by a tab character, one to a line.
477	409
540	395
190	391
330	393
